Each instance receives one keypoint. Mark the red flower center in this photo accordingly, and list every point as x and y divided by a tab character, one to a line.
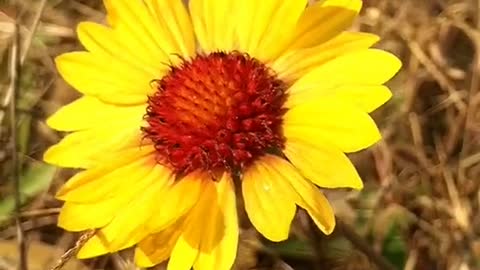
219	111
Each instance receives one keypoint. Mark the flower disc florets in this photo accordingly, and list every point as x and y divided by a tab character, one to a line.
216	111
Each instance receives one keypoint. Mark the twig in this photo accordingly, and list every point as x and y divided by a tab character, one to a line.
363	246
13	90
73	251
29	225
430	67
18	56
473	91
411	260
40	212
119	262
33	30
26	46
31	214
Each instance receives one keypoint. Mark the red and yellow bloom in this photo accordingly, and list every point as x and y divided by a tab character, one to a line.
179	104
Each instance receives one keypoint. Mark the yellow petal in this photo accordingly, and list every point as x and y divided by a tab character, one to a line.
367	97
135	22
333	121
177	200
114	210
93	247
104	181
363	67
207	243
266	199
307	195
174	27
86	148
324	20
99	39
316	205
218	247
78	217
184	254
187	248
129	225
281	27
296	63
94	74
214	22
89	112
325	166
98	245
264	28
157	247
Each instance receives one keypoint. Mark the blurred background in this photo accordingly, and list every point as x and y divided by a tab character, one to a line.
421	202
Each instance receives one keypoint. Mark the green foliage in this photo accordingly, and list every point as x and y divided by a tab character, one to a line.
394	246
35	179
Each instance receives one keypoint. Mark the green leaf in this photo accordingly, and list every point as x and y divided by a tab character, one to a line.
394	247
292	248
35	179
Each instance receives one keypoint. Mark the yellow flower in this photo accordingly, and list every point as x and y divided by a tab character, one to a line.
182	104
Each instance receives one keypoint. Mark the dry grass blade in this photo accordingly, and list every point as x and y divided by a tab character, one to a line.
33	30
73	251
13	89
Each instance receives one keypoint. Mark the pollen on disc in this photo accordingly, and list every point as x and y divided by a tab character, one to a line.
216	111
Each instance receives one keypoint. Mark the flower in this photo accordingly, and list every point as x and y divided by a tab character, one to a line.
181	105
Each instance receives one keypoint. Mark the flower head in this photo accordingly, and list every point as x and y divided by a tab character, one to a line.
182	104
217	111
